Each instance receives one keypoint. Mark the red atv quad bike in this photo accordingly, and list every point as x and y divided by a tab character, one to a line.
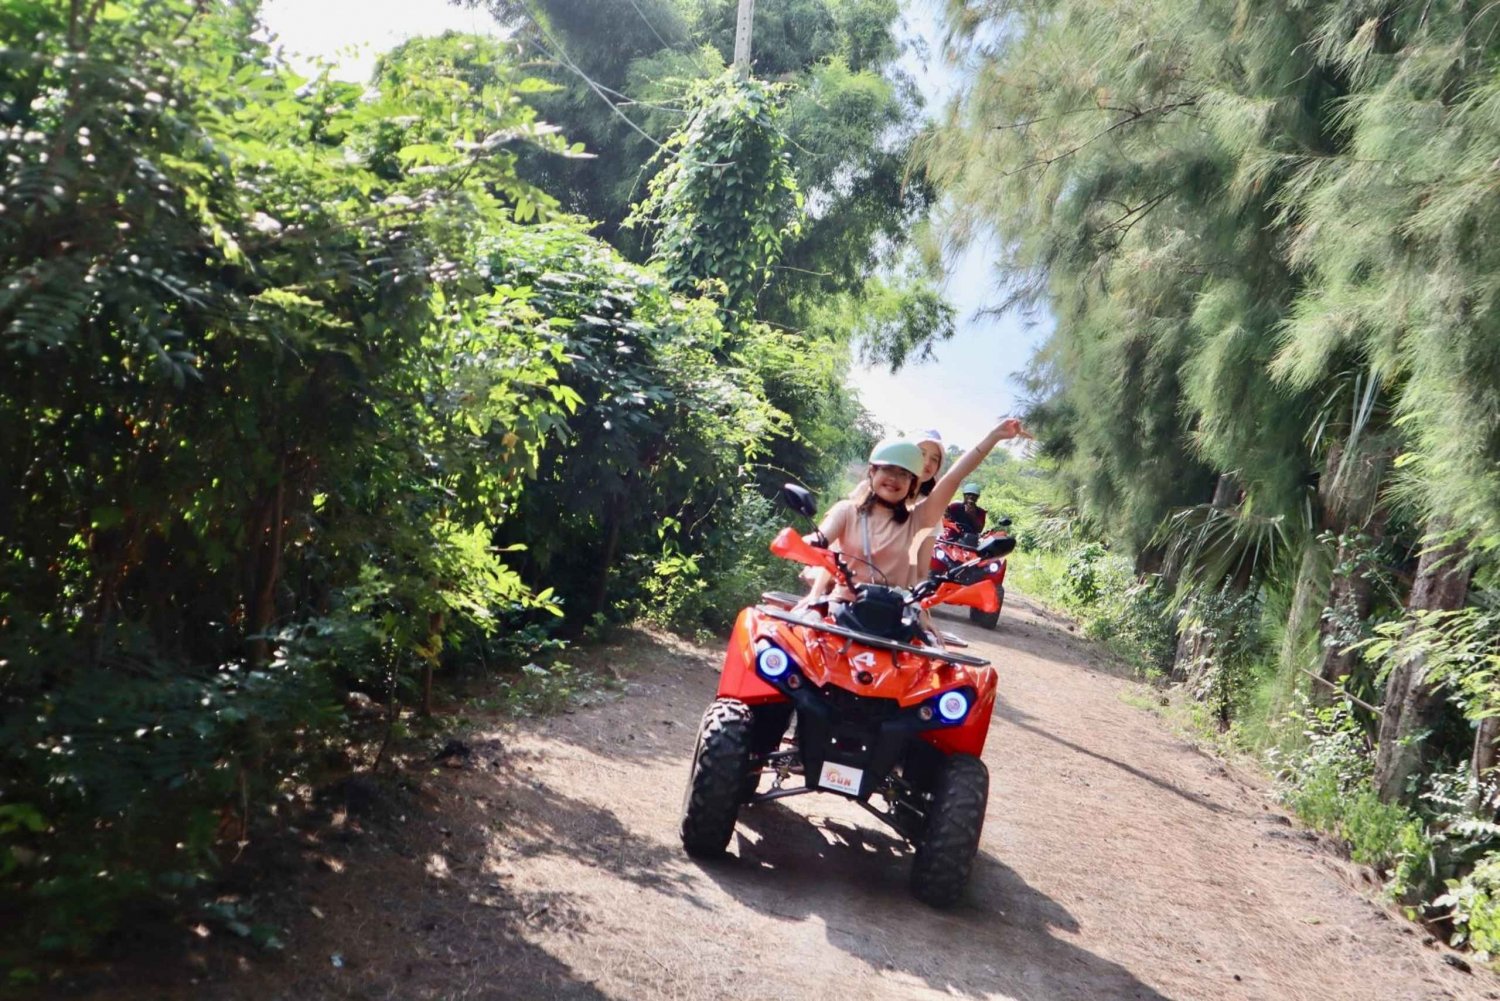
956	554
882	708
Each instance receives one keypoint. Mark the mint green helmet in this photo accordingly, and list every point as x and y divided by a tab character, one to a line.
971	488
898	452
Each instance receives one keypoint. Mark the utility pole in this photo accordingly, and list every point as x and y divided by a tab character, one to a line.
742	28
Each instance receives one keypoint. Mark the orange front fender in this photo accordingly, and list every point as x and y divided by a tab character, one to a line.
981	596
737	678
969	738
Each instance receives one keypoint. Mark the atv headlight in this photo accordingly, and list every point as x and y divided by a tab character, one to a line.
953	706
772	662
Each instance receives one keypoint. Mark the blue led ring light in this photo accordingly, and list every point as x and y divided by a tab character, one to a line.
953	706
773	662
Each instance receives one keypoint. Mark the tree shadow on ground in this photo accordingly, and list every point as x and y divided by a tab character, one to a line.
536	820
1043	636
396	899
1004	939
1022	720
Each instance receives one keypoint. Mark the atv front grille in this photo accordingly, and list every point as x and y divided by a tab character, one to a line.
858	709
973	575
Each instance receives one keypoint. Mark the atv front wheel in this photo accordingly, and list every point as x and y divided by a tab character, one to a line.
712	802
989	619
955	818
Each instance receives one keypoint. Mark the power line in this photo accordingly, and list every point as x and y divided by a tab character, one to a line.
642	13
561	57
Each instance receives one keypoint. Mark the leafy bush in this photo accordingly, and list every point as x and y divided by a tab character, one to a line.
1224	629
1132	618
1473	904
1328	785
1085	578
1043	533
280	358
731	570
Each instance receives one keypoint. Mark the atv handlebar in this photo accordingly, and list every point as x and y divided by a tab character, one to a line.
791	546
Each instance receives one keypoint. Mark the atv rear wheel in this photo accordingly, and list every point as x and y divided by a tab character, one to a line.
955	818
712	802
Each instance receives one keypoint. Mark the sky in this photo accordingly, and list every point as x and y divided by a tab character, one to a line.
962	392
970	383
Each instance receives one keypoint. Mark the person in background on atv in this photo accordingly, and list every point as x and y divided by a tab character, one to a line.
968	515
881	525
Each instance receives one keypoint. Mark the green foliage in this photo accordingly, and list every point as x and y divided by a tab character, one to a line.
1133	619
543	690
1262	232
1474	908
1129	616
241	328
292	371
730	568
675	412
1082	584
1226	627
1328	786
726	197
845	119
1459	649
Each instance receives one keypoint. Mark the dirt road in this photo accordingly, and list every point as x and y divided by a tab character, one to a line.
1117	862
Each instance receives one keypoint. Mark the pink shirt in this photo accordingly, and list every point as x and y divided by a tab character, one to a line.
893	547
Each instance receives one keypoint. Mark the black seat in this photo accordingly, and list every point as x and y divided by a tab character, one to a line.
879	611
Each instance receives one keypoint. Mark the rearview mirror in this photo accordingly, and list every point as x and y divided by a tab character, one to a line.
799	500
996	548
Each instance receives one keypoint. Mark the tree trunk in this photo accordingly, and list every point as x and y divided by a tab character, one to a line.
435	623
1226	492
263	607
1194	650
1309	595
1351	596
1190	650
1149	560
1412	707
1481	765
607	557
1350	491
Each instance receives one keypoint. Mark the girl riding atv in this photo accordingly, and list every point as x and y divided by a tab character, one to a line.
884	520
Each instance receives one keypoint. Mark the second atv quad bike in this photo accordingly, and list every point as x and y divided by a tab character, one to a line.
883	709
955	554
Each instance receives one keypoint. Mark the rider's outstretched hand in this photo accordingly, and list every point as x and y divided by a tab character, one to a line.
1011	427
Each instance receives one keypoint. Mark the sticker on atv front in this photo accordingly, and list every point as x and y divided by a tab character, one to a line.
841	778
